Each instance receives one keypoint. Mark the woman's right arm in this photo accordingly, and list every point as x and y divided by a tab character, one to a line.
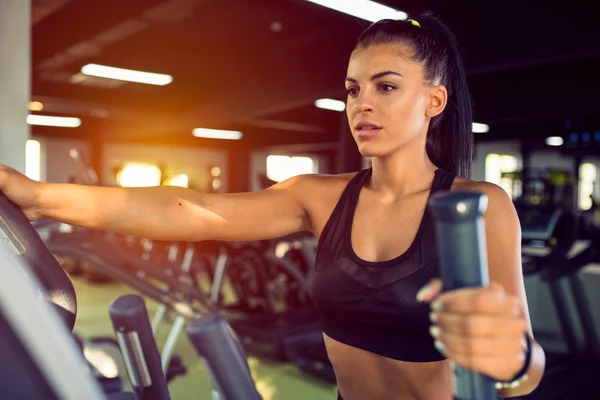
166	213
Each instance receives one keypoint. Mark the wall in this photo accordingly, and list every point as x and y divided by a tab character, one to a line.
482	150
258	166
56	164
193	161
552	158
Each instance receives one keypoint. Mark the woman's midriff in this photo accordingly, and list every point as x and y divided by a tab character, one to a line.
363	375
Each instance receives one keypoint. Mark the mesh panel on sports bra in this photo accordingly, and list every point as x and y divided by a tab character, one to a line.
379	278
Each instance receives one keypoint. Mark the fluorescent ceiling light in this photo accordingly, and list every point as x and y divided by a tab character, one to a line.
554	141
128	75
45	120
216	134
480	128
330	104
365	9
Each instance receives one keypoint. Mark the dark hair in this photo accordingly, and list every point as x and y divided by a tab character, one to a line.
450	138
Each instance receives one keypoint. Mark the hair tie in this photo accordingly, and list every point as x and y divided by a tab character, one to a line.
414	23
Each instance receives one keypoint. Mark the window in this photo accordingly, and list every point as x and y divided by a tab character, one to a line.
139	175
280	168
33	160
587	178
181	180
498	164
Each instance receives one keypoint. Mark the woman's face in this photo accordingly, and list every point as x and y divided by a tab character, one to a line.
389	102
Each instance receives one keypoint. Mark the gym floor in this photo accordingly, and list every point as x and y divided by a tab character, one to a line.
273	380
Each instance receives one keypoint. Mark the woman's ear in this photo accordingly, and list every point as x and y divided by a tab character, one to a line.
438	98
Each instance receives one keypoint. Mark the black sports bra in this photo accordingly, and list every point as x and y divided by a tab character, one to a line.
372	305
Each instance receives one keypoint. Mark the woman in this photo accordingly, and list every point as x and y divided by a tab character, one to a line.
390	331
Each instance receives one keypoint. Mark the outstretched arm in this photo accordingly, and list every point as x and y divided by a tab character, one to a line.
166	213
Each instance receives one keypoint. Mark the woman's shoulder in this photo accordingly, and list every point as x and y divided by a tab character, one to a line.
498	199
487	188
319	194
324	181
321	187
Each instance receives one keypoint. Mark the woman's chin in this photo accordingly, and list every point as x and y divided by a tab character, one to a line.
370	152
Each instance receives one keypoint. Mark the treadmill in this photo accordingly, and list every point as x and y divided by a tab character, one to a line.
550	249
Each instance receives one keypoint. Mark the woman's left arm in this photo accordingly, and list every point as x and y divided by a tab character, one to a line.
483	329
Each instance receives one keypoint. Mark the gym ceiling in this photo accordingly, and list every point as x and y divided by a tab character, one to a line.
259	65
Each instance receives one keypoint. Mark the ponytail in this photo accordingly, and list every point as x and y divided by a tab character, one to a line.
450	138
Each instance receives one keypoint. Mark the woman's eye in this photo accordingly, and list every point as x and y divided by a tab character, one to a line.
353	92
386	87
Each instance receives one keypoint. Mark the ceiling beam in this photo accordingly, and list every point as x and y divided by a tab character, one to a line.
285	126
168	11
293	82
41	9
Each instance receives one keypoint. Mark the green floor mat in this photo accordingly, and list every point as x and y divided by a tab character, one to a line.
273	380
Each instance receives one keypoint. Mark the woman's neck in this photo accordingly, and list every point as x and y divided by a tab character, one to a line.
407	170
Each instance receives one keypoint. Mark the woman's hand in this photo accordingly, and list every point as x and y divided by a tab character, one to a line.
21	190
481	329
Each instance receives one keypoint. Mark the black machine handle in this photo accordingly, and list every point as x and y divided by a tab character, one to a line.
142	359
213	341
22	239
461	247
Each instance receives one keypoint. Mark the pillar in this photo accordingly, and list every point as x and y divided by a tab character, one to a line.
15	85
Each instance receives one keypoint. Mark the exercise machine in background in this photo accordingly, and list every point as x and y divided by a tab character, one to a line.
554	254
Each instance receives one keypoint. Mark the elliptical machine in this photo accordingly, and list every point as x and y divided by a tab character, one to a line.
38	310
